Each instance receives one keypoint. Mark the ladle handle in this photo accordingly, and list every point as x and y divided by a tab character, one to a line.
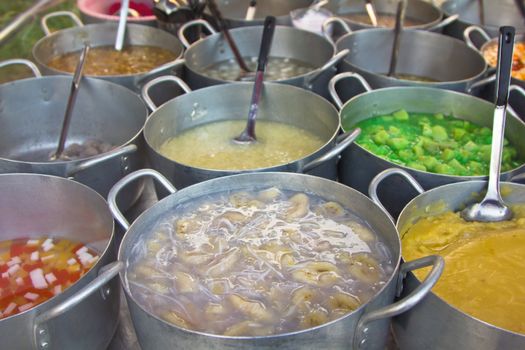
400	16
505	51
266	43
521	7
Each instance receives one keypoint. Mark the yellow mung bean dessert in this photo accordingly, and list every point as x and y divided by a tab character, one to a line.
257	263
211	146
484	272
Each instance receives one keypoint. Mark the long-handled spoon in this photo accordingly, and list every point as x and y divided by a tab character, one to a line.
250	12
121	30
371	12
224	28
75	85
248	134
492	207
400	17
521	7
481	12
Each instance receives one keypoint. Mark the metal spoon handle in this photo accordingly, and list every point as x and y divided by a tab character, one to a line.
521	7
214	9
77	77
505	51
264	51
400	16
121	30
371	12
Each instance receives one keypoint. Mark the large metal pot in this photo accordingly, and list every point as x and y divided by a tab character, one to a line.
85	315
424	100
366	327
31	117
288	42
103	34
231	102
494	14
421	11
433	323
234	11
421	53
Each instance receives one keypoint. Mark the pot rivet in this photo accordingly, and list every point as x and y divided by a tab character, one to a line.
44	345
107	291
363	342
365	331
42	332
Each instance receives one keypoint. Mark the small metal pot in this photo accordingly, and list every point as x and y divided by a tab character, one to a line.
96	11
358	166
419	10
85	315
495	13
231	102
366	327
103	34
433	323
32	113
421	53
234	11
288	42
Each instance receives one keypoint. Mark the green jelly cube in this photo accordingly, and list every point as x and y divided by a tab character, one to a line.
381	137
439	133
398	143
401	115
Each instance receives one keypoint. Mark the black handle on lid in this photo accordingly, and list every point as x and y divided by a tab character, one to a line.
505	51
266	42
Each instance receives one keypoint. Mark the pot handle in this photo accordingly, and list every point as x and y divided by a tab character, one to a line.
45	27
469	30
407	302
376	181
480	83
106	274
31	65
444	22
185	26
342	142
115	153
310	79
329	21
145	89
520	91
346	75
119	185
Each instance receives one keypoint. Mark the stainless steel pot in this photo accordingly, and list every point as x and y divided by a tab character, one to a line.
234	11
231	102
426	13
358	166
433	323
288	42
103	34
495	13
31	115
85	315
421	53
366	327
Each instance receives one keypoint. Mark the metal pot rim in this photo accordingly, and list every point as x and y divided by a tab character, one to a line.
68	292
194	46
122	256
168	104
87	27
68	79
446	304
518	38
415	89
425	25
415	83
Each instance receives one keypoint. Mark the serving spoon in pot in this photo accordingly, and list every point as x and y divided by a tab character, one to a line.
248	134
400	17
75	85
121	30
245	72
371	12
492	207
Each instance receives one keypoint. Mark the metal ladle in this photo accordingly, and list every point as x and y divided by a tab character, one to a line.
121	30
400	17
371	12
492	207
248	134
75	85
